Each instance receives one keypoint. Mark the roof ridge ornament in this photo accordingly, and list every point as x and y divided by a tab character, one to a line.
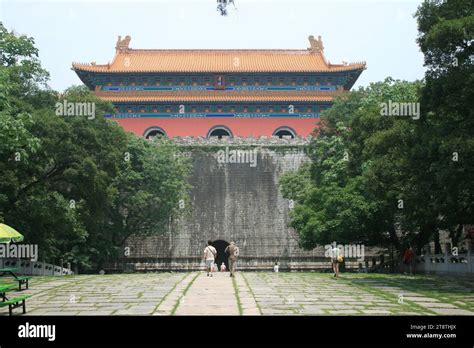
122	45
222	6
316	45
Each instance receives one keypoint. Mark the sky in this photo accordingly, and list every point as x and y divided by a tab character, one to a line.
381	33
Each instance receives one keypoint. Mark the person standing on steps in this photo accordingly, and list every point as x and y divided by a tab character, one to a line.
210	254
233	251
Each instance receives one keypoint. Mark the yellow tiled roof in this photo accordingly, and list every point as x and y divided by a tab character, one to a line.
216	96
219	61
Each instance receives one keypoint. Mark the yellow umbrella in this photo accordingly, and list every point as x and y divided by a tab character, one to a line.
8	234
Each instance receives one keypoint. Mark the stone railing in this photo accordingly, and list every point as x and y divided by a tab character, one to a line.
27	267
445	263
313	263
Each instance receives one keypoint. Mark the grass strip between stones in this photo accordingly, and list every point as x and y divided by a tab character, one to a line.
169	292
433	293
410	305
251	291
173	311
72	282
237	297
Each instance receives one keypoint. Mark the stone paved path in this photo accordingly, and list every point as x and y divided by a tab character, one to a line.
358	294
249	294
119	294
209	296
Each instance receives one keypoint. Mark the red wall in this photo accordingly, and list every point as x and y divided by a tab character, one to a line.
200	127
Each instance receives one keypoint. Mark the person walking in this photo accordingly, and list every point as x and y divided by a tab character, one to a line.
223	267
408	257
336	258
233	251
210	254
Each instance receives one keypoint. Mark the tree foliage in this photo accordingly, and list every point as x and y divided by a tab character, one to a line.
404	178
355	171
77	186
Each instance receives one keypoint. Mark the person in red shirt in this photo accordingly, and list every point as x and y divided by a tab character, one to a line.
408	257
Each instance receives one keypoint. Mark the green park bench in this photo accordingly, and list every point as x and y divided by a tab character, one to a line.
4	288
15	303
21	281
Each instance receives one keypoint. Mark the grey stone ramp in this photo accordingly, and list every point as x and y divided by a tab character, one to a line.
209	296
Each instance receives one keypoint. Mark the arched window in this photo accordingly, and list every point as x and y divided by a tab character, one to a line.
219	131
153	132
284	132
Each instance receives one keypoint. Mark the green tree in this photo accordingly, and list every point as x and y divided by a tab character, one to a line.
358	171
446	33
64	181
151	184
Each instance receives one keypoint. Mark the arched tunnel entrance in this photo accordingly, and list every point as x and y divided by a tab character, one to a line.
220	246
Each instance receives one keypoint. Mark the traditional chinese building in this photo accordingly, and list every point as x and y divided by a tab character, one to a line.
208	93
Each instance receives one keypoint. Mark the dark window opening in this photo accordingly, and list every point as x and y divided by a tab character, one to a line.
219	133
155	133
284	133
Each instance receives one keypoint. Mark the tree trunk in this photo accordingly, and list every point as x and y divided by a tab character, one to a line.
437	245
394	238
456	235
427	232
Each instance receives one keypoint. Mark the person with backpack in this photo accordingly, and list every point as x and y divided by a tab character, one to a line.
233	251
336	259
210	254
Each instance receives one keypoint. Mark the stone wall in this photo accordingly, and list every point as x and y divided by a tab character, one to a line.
233	201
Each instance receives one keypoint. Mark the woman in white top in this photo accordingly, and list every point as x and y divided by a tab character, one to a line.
209	256
335	262
276	268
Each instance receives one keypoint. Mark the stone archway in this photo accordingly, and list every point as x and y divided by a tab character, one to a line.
220	246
